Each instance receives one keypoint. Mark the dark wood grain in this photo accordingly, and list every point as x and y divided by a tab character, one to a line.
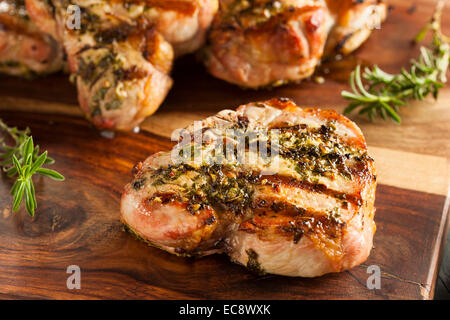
77	222
442	291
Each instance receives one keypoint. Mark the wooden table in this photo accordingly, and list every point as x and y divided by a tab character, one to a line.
77	222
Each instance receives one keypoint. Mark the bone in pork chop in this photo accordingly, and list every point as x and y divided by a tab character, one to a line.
270	42
24	50
305	208
121	53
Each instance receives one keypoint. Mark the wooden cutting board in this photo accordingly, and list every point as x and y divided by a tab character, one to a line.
77	222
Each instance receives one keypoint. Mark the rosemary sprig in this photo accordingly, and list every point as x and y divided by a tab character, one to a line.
384	93
23	160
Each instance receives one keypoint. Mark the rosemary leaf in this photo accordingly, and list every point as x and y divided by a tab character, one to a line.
22	160
381	94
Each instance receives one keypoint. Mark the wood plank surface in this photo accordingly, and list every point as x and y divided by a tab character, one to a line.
78	223
78	220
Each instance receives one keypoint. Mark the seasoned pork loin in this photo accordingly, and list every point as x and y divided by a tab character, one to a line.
301	204
255	43
24	50
122	52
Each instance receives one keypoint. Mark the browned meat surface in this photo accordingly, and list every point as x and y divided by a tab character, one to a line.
121	55
305	210
255	43
24	50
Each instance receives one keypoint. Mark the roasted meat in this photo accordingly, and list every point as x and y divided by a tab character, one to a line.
256	43
353	22
301	204
184	23
121	52
24	50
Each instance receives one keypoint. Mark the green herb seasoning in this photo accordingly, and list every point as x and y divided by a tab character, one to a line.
252	262
230	185
317	152
217	186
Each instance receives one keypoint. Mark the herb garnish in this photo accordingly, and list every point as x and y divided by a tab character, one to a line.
384	93
23	160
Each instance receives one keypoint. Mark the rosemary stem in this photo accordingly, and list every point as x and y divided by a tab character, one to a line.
4	127
383	92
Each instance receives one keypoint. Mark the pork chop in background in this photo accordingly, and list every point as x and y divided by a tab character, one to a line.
121	55
272	42
24	50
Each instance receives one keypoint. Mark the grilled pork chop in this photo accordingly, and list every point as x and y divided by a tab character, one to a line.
122	53
24	50
255	43
304	207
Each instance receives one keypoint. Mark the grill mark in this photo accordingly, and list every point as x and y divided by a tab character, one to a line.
325	133
292	221
277	206
288	104
358	170
96	79
277	180
340	45
118	33
271	217
89	47
267	207
132	73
